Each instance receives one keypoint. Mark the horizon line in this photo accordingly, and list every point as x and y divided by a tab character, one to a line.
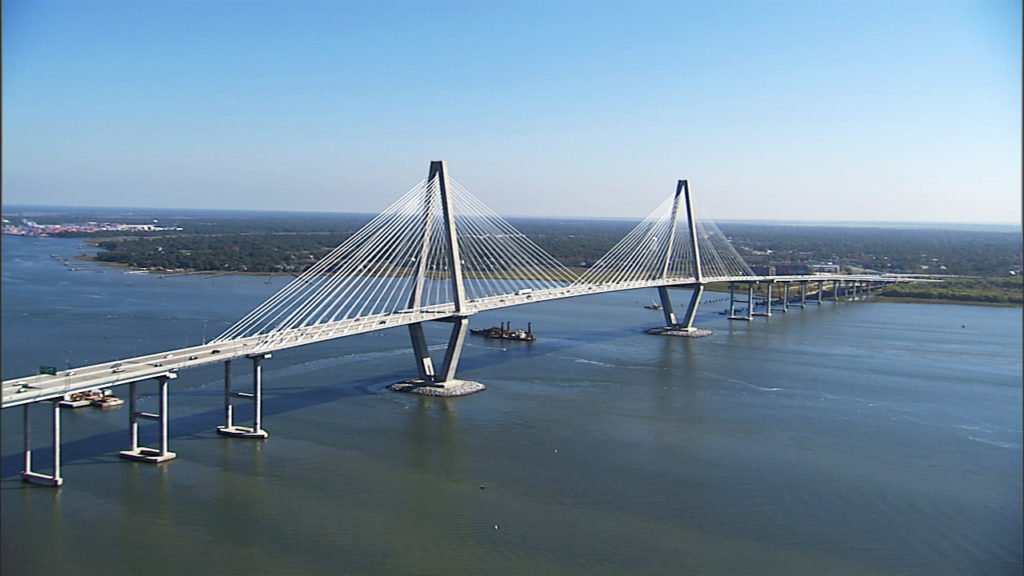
824	222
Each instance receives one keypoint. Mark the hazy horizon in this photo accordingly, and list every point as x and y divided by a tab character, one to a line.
14	209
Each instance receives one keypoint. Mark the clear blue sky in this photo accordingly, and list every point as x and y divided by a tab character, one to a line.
797	110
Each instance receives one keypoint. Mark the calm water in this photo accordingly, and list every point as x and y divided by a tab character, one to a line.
858	438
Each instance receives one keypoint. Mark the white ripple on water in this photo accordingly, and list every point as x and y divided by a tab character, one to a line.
586	361
754	386
996	443
741	382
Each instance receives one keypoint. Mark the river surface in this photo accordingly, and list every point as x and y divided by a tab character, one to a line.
852	438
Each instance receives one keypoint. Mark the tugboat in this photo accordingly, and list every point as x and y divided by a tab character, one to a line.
505	332
653	306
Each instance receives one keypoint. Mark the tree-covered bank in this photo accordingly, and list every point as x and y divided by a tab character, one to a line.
1006	291
289	243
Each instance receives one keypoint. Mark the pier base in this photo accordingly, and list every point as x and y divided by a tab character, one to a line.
446	389
242	432
679	331
150	455
42	479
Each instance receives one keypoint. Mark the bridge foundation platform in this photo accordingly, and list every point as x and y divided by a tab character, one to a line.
673	327
447	389
443	382
679	331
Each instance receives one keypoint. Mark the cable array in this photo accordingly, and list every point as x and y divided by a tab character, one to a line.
640	256
400	262
497	259
656	250
718	259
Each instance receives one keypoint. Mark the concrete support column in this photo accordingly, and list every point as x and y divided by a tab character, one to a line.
732	303
162	383
28	475
460	326
136	451
750	301
691	310
257	393
666	306
56	442
229	412
133	417
26	436
836	285
821	289
768	301
255	431
424	365
803	295
785	297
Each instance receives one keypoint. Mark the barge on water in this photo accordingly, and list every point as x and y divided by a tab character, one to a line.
99	398
505	332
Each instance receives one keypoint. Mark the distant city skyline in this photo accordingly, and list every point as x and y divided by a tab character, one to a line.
906	111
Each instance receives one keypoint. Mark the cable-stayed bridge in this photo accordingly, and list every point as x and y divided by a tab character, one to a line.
435	254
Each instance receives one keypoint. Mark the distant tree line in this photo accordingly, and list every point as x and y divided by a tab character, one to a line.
988	290
896	250
290	243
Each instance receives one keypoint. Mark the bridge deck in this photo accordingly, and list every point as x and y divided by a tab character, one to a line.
41	387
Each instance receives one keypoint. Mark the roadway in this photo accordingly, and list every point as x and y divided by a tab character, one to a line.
42	387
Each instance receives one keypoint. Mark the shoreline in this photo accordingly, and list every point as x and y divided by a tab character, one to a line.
710	287
904	300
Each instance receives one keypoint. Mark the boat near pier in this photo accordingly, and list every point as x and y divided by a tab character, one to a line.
505	332
100	398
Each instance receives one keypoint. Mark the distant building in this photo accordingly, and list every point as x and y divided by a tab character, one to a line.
792	269
829	268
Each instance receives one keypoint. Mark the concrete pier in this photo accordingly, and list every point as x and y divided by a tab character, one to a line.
231	429
442	383
29	475
673	327
136	451
767	302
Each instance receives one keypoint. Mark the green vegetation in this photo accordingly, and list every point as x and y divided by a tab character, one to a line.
890	250
259	242
226	253
1009	291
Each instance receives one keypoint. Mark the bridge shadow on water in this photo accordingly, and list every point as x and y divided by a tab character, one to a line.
201	426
